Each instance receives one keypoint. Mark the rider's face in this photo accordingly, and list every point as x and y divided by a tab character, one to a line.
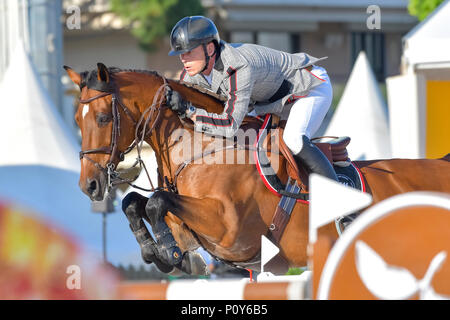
193	61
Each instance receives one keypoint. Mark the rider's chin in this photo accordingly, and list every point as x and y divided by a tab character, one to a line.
190	71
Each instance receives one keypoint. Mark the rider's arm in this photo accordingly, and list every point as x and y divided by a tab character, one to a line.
235	109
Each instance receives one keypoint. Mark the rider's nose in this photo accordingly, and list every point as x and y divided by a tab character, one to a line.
93	187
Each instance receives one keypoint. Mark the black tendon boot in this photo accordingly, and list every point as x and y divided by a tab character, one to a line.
167	246
148	248
145	241
132	204
315	161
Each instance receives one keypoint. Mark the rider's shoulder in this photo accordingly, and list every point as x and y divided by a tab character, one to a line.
231	57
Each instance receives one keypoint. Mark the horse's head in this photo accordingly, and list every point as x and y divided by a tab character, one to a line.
107	128
111	102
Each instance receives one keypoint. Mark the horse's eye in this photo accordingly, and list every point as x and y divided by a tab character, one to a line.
103	119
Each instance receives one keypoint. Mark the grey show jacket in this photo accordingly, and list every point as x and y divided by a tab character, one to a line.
250	74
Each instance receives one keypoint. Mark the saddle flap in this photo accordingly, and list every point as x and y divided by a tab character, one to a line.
335	151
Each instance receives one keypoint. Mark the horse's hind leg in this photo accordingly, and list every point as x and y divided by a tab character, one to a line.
133	206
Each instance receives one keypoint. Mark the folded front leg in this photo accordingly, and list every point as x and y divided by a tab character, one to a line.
133	205
204	216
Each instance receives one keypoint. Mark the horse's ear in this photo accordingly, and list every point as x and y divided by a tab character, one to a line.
102	73
75	77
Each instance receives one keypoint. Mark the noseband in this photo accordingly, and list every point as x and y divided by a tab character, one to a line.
109	169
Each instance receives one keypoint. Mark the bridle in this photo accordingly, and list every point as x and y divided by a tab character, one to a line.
113	176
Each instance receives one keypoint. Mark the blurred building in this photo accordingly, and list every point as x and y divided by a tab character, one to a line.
420	120
334	28
103	37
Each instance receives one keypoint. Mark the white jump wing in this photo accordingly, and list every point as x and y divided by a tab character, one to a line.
426	290
383	281
430	294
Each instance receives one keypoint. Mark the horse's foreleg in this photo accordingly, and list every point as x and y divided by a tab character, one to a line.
199	213
133	205
156	210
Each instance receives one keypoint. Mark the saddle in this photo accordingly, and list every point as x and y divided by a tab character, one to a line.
297	180
335	151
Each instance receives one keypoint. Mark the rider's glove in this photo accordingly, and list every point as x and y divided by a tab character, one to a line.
177	103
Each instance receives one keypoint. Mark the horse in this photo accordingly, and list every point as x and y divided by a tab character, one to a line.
224	208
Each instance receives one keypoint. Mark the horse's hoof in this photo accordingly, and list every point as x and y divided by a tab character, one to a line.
149	256
176	272
194	264
147	253
165	268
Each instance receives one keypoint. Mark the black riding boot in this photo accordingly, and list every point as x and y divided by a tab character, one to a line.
315	161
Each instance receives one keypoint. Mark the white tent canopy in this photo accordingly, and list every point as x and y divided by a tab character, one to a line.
36	133
39	165
429	41
362	115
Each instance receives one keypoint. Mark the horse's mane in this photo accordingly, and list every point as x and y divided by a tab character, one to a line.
114	70
203	90
92	76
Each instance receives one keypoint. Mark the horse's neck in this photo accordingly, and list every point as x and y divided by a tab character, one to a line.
162	139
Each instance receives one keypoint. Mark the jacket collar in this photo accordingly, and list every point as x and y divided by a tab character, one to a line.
218	65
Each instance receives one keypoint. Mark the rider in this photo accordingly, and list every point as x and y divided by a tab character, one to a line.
250	74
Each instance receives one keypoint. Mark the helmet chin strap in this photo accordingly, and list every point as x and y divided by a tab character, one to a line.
207	58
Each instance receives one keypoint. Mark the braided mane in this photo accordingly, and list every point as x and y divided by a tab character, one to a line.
113	70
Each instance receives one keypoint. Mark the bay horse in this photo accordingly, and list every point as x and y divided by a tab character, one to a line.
225	208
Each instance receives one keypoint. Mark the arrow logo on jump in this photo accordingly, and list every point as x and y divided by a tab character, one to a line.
268	251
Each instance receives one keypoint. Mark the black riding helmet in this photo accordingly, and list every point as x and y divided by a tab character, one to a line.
190	32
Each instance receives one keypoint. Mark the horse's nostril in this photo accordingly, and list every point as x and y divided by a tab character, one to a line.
92	186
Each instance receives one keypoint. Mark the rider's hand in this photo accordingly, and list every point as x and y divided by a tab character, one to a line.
175	102
252	113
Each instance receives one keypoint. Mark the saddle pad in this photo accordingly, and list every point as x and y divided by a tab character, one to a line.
349	175
265	170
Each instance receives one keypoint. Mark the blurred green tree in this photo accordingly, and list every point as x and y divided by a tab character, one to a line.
151	20
422	8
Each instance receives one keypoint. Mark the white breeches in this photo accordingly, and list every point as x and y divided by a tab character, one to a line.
307	114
